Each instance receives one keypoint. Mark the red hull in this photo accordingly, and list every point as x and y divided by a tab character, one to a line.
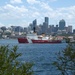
23	40
46	41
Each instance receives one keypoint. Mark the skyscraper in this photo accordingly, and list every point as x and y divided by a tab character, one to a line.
47	20
44	29
34	25
62	24
69	30
45	24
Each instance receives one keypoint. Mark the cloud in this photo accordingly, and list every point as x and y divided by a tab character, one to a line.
15	1
52	0
32	1
67	13
12	8
13	12
45	6
36	15
36	9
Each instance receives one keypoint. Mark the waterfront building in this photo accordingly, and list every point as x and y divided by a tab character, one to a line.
18	29
13	28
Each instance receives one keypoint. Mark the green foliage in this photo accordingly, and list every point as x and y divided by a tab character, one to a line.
9	65
67	40
65	60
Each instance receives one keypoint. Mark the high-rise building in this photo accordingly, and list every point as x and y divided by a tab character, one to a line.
18	29
55	29
31	26
34	25
47	20
25	29
69	30
45	25
62	24
44	28
74	31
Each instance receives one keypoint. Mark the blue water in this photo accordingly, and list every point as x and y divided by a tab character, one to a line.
41	55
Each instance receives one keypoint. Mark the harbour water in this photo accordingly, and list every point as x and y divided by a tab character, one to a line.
42	55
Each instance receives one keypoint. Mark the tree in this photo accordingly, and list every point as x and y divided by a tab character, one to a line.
67	40
3	28
65	60
10	65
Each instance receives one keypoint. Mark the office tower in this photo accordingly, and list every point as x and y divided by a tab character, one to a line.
31	26
34	25
45	25
62	24
18	29
69	30
52	28
57	26
55	29
47	20
74	31
44	28
25	29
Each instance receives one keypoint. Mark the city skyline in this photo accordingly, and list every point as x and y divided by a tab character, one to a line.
23	12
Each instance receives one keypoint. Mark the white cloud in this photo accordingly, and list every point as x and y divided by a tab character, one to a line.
13	12
52	0
45	7
68	13
37	11
32	1
36	15
15	1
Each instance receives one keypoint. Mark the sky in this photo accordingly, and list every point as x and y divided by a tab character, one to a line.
23	12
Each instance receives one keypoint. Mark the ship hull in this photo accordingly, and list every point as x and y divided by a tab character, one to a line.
23	40
46	41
